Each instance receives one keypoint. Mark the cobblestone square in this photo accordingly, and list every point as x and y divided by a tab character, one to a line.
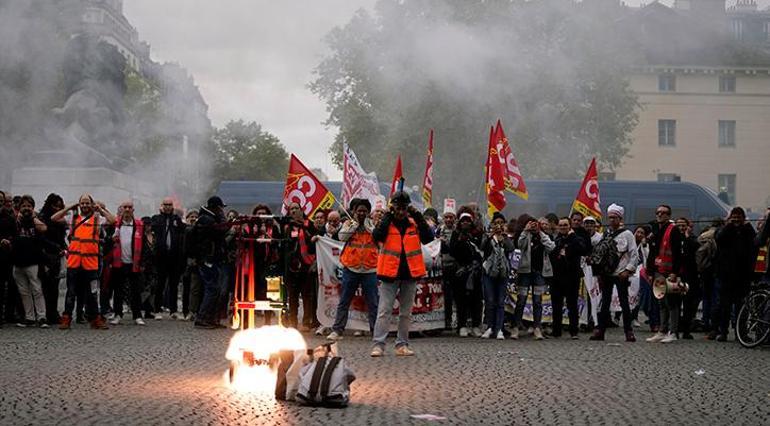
169	373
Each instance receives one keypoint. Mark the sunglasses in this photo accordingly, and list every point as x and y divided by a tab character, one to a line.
662	212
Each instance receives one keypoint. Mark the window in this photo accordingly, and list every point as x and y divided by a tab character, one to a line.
726	133
667	82
666	132
727	84
669	177
726	188
737	28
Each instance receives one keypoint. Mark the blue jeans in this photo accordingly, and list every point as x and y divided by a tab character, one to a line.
209	274
494	301
388	290
350	283
648	304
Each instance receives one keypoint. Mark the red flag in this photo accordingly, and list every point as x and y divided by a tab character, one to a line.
304	188
397	175
427	181
587	200
495	177
514	181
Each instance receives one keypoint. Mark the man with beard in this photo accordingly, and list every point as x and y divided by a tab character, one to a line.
85	222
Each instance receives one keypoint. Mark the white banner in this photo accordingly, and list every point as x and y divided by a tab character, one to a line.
356	183
428	310
595	293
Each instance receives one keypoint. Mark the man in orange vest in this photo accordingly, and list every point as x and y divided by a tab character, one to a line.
400	263
359	259
83	256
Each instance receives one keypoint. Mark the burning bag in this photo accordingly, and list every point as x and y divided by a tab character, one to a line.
325	381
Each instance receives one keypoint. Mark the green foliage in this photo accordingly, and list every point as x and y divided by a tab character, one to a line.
552	70
243	151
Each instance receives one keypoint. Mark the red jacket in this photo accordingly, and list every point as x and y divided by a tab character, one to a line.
136	256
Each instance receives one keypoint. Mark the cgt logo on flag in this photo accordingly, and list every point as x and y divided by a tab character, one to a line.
587	201
303	188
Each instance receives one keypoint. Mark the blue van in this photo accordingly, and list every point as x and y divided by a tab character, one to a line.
638	198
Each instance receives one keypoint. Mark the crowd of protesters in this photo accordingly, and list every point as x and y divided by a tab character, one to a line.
108	260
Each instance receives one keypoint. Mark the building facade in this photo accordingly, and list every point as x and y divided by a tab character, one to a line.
704	114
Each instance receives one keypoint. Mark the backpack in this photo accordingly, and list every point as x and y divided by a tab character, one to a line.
706	253
604	258
496	265
325	382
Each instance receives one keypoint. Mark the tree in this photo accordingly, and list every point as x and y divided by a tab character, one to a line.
243	151
552	70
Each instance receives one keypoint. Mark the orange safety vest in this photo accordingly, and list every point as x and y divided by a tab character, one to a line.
664	262
83	251
360	251
390	253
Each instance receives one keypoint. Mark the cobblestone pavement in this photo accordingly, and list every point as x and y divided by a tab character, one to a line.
168	373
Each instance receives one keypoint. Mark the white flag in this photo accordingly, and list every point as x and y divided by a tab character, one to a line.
356	183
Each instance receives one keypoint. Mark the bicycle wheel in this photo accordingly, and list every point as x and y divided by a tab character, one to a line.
753	322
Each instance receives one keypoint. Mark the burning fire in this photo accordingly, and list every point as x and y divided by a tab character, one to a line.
249	353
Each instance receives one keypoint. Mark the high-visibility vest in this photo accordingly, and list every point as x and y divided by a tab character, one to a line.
360	251
664	262
761	265
390	254
83	251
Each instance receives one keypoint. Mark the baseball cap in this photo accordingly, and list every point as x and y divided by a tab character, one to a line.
215	201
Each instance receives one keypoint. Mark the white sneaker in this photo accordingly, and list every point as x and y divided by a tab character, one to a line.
115	320
538	334
635	324
358	333
110	316
464	332
657	337
487	334
140	321
515	333
320	331
670	337
500	335
334	336
174	316
476	332
187	317
158	316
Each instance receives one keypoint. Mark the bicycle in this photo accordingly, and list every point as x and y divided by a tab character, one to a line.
753	322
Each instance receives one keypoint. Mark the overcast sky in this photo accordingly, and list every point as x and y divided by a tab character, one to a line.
252	59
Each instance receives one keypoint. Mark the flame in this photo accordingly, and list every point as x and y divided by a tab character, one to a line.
262	342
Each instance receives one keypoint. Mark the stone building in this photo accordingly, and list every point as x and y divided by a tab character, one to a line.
704	90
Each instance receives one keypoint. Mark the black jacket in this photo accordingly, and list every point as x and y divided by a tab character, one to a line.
565	257
461	247
168	227
206	241
736	253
